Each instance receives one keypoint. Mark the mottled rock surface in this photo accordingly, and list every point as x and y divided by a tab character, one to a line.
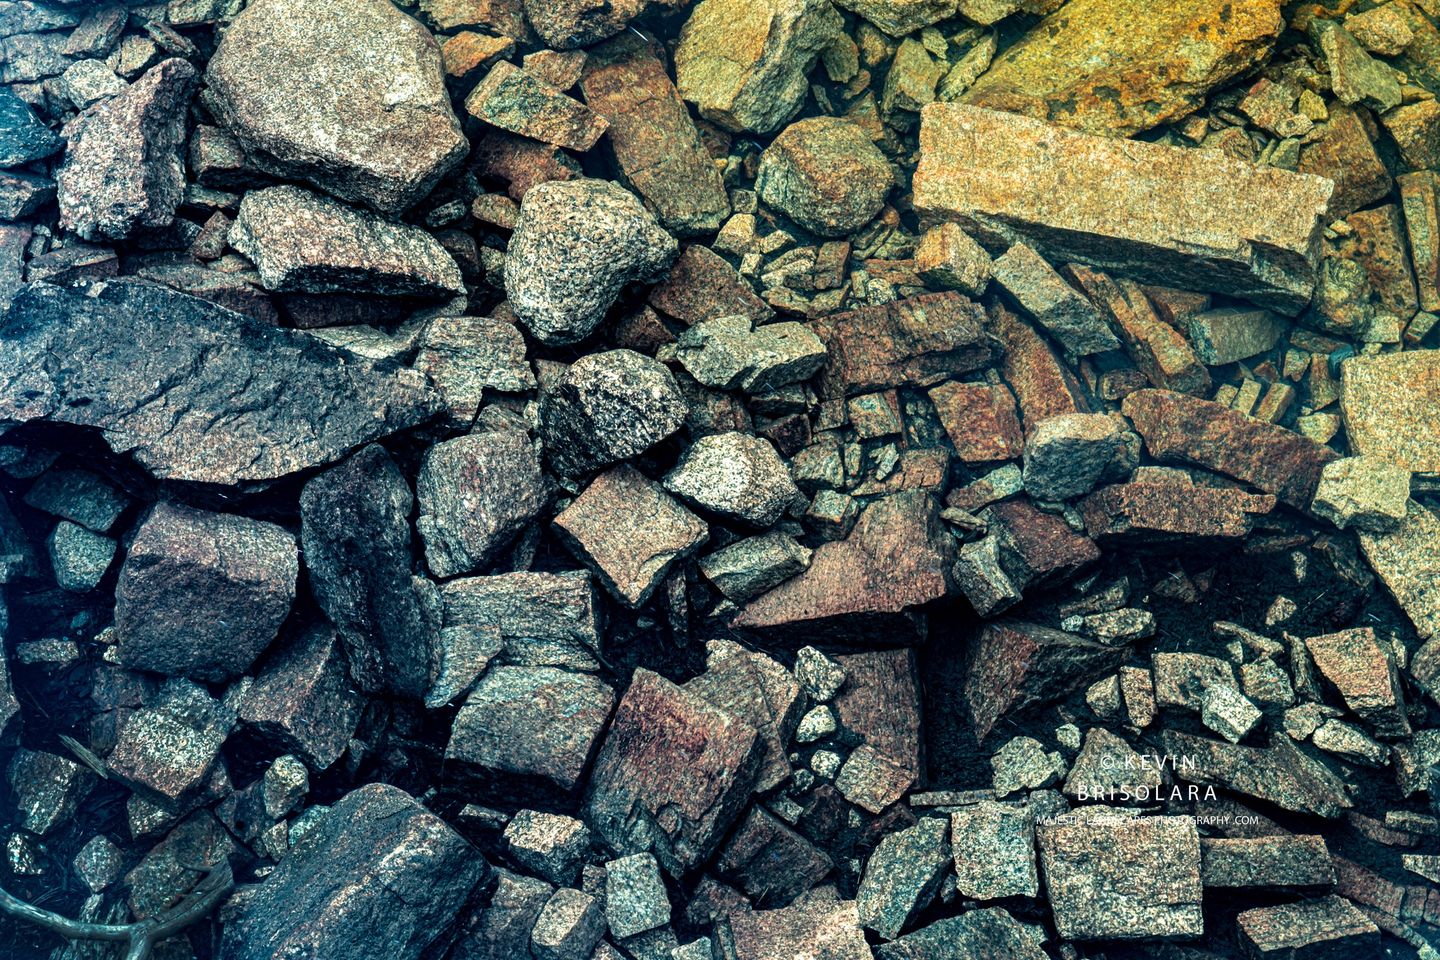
735	475
1389	404
608	407
825	174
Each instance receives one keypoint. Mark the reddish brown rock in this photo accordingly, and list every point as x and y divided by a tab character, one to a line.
1158	349
914	342
302	701
467	52
1344	153
1038	548
881	702
980	420
1420	199
702	286
1163	511
1377	243
868	585
1016	665
770	862
1178	428
521	163
672	776
811	930
756	689
1043	385
653	139
1366	676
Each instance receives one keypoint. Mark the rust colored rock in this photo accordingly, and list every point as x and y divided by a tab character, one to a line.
1036	547
1043	385
1367	678
1016	665
672	776
914	342
881	702
980	420
757	689
772	863
1330	927
302	701
866	586
1193	219
1390	404
521	163
1420	199
1377	243
1169	510
1177	428
653	139
1116	67
1343	152
702	286
1158	349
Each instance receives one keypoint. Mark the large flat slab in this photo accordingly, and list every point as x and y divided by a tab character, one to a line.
1186	218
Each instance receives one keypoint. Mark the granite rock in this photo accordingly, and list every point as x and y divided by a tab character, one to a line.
735	475
608	407
825	174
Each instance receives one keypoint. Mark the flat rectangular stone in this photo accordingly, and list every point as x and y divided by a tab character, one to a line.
1043	386
1391	406
1326	929
1042	293
1233	333
1162	511
1407	560
1420	199
1168	215
1290	861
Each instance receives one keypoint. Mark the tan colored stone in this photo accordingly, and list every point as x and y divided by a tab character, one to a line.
1391	406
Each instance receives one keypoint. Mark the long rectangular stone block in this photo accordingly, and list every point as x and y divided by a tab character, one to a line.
1193	219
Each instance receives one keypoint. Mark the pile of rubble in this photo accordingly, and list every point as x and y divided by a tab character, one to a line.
731	480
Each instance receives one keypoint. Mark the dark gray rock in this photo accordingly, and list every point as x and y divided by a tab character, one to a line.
304	242
1066	456
738	476
528	733
470	357
747	568
362	113
545	619
567	24
191	390
302	701
465	653
79	496
187	567
502	931
78	557
476	494
577	244
48	789
1063	311
825	174
355	531
772	863
608	407
22	194
903	876
124	166
975	934
23	137
379	877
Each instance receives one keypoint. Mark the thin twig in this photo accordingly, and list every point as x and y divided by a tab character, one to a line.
141	935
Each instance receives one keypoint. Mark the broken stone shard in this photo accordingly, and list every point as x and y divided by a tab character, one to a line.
639	800
1407	561
1389	403
302	701
1184	218
363	113
1162	510
23	137
516	101
994	851
825	174
1042	293
577	244
1117	67
188	567
902	876
744	64
191	390
1365	492
735	475
608	407
1279	774
377	876
301	241
543	618
123	169
1328	927
1367	678
726	353
567	24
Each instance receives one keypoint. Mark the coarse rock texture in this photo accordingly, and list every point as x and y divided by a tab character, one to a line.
567	24
361	111
513	99
1407	561
188	567
1389	403
123	168
825	174
301	241
193	391
23	137
736	476
355	532
1117	67
1158	214
744	63
377	875
608	407
302	700
575	247
901	17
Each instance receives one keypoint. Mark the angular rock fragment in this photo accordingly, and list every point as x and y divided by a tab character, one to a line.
567	24
735	475
78	556
902	876
1243	230
1123	880
626	529
811	930
1343	152
726	353
188	567
529	732
914	342
518	102
123	167
378	875
608	407
362	113
1157	348
1188	430
747	568
167	752
1016	665
23	137
702	286
476	494
1065	456
255	403
1044	295
994	851
1279	774
48	789
1407	560
756	689
1233	333
1367	678
980	420
1164	510
990	932
640	800
895	559
1420	200
773	864
355	530
1116	68
880	702
1366	492
79	496
577	244
503	928
468	356
744	64
653	139
302	701
1389	403
304	242
568	927
825	174
1285	861
552	618
1328	927
635	897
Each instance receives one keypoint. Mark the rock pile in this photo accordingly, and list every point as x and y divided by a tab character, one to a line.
722	479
